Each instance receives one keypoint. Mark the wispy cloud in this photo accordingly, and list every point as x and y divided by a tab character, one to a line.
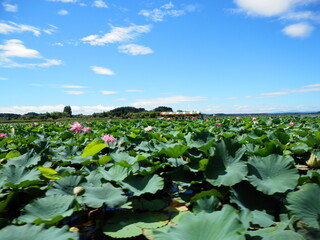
99	4
307	88
109	92
14	48
165	100
134	49
158	14
8	27
10	7
3	79
63	12
117	34
75	92
101	70
300	30
133	90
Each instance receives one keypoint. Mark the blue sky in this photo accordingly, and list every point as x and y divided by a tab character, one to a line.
222	56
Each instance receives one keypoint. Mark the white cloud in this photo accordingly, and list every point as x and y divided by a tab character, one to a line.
63	12
134	90
117	34
99	4
56	108
165	100
101	70
298	30
58	44
268	8
158	14
3	79
307	88
11	27
72	86
301	15
10	7
134	49
108	92
75	92
14	48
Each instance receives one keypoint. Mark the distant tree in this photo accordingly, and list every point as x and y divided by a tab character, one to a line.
67	109
162	109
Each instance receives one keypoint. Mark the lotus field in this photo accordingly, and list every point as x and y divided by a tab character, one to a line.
224	178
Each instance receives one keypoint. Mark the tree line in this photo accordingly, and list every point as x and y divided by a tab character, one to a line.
120	112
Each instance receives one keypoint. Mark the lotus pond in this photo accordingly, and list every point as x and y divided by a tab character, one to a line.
215	179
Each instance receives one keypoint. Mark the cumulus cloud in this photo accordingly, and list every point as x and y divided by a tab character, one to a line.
287	10
101	70
300	30
10	7
307	88
134	49
14	48
99	4
117	34
165	100
108	92
63	12
158	14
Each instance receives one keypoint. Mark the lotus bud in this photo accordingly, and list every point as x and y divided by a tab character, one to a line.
74	229
77	191
313	161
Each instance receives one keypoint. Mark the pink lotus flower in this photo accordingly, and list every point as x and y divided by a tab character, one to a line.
219	124
214	116
192	118
149	128
237	118
35	124
3	134
168	119
86	129
292	123
108	138
57	123
254	119
76	127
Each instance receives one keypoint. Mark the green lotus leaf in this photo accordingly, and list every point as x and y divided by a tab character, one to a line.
48	210
25	160
305	204
278	232
126	225
271	174
115	173
123	156
226	167
140	185
107	195
176	151
206	204
32	232
65	185
16	177
93	148
220	225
